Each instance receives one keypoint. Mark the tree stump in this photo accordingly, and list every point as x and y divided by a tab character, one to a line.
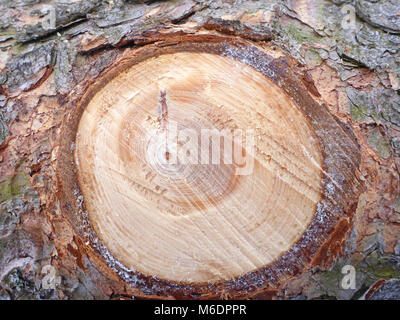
204	164
199	149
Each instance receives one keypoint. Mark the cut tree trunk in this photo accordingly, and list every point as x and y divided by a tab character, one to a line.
203	222
173	150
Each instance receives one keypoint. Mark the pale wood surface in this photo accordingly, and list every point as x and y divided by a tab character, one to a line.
195	223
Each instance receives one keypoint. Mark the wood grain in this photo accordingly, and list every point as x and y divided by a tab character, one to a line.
196	222
162	229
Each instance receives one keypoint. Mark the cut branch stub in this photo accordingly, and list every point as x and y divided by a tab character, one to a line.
202	165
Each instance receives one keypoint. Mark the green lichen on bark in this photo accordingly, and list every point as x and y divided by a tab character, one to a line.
379	143
373	44
3	131
14	187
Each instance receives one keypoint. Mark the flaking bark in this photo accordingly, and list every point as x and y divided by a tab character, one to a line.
356	72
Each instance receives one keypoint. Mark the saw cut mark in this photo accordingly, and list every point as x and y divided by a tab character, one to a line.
209	218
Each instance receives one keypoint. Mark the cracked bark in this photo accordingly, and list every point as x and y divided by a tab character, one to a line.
353	73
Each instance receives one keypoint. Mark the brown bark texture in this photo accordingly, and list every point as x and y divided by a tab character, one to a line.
343	56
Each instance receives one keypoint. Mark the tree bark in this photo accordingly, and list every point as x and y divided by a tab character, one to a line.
67	76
